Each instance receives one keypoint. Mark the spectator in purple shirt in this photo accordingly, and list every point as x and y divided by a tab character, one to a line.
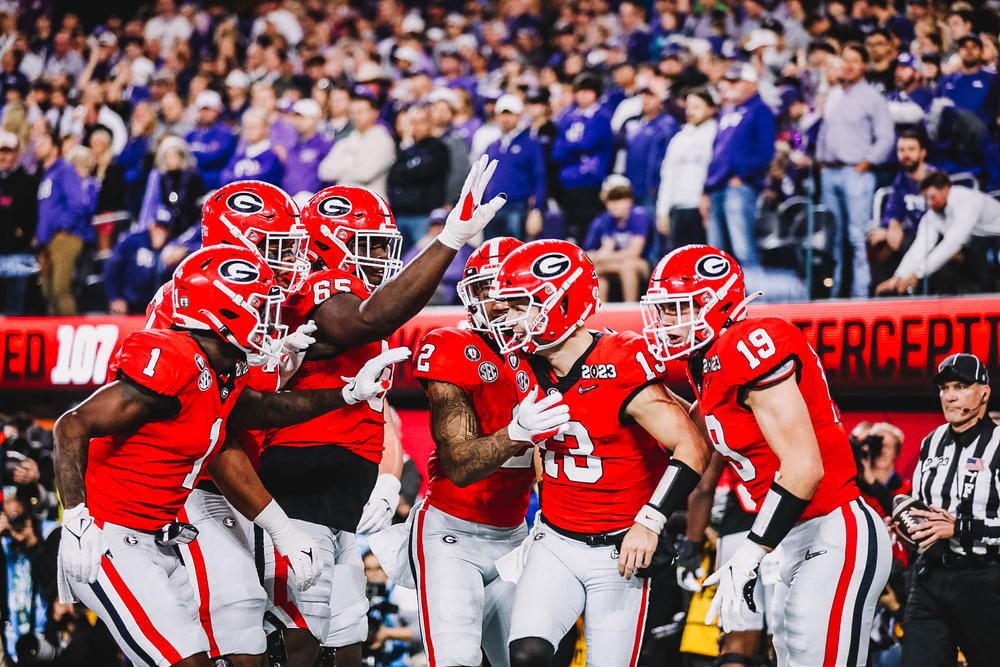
616	242
66	202
302	165
256	158
893	236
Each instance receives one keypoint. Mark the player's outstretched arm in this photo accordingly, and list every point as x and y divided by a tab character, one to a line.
467	457
346	321
258	410
119	407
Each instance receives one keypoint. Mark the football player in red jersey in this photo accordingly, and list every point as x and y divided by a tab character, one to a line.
128	456
764	400
607	488
221	567
480	478
326	471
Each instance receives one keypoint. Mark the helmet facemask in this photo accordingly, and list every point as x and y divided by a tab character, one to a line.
536	325
284	252
689	317
261	341
469	291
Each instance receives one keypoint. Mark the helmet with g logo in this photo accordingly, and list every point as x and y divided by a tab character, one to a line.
700	291
263	218
480	269
560	282
351	228
233	292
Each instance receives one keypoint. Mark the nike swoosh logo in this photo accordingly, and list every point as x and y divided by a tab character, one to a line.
815	553
584	390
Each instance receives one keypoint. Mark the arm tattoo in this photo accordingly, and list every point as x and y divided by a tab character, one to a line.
465	456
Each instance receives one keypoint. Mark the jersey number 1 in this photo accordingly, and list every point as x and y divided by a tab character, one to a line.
213	440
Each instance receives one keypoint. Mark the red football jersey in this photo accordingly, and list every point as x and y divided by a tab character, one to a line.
140	480
265	379
757	353
470	361
359	428
604	468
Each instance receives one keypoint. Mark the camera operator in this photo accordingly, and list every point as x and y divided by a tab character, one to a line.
876	449
392	619
28	546
27	452
954	597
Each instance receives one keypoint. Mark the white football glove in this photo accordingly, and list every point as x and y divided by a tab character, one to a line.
470	215
81	546
737	590
381	505
375	377
299	340
292	543
535	421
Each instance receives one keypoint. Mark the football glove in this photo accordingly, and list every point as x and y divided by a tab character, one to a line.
737	598
536	421
375	377
381	505
292	543
82	545
689	567
470	215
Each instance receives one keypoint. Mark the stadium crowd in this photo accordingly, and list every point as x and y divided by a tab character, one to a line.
633	127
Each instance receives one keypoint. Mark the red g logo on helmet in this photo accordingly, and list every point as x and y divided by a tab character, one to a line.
551	265
239	271
334	207
245	203
712	266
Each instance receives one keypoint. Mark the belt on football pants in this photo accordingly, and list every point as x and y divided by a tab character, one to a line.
590	539
950	559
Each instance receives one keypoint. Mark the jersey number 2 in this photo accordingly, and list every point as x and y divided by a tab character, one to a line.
587	474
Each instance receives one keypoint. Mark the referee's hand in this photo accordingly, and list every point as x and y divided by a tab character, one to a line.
939	526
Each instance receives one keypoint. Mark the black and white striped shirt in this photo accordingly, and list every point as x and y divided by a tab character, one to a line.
960	472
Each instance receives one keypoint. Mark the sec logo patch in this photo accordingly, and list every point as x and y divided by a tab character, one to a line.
488	371
522	380
472	353
204	379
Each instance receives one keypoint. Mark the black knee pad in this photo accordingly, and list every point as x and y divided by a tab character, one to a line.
531	652
327	657
277	656
738	658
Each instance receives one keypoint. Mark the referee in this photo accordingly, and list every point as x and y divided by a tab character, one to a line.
954	599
